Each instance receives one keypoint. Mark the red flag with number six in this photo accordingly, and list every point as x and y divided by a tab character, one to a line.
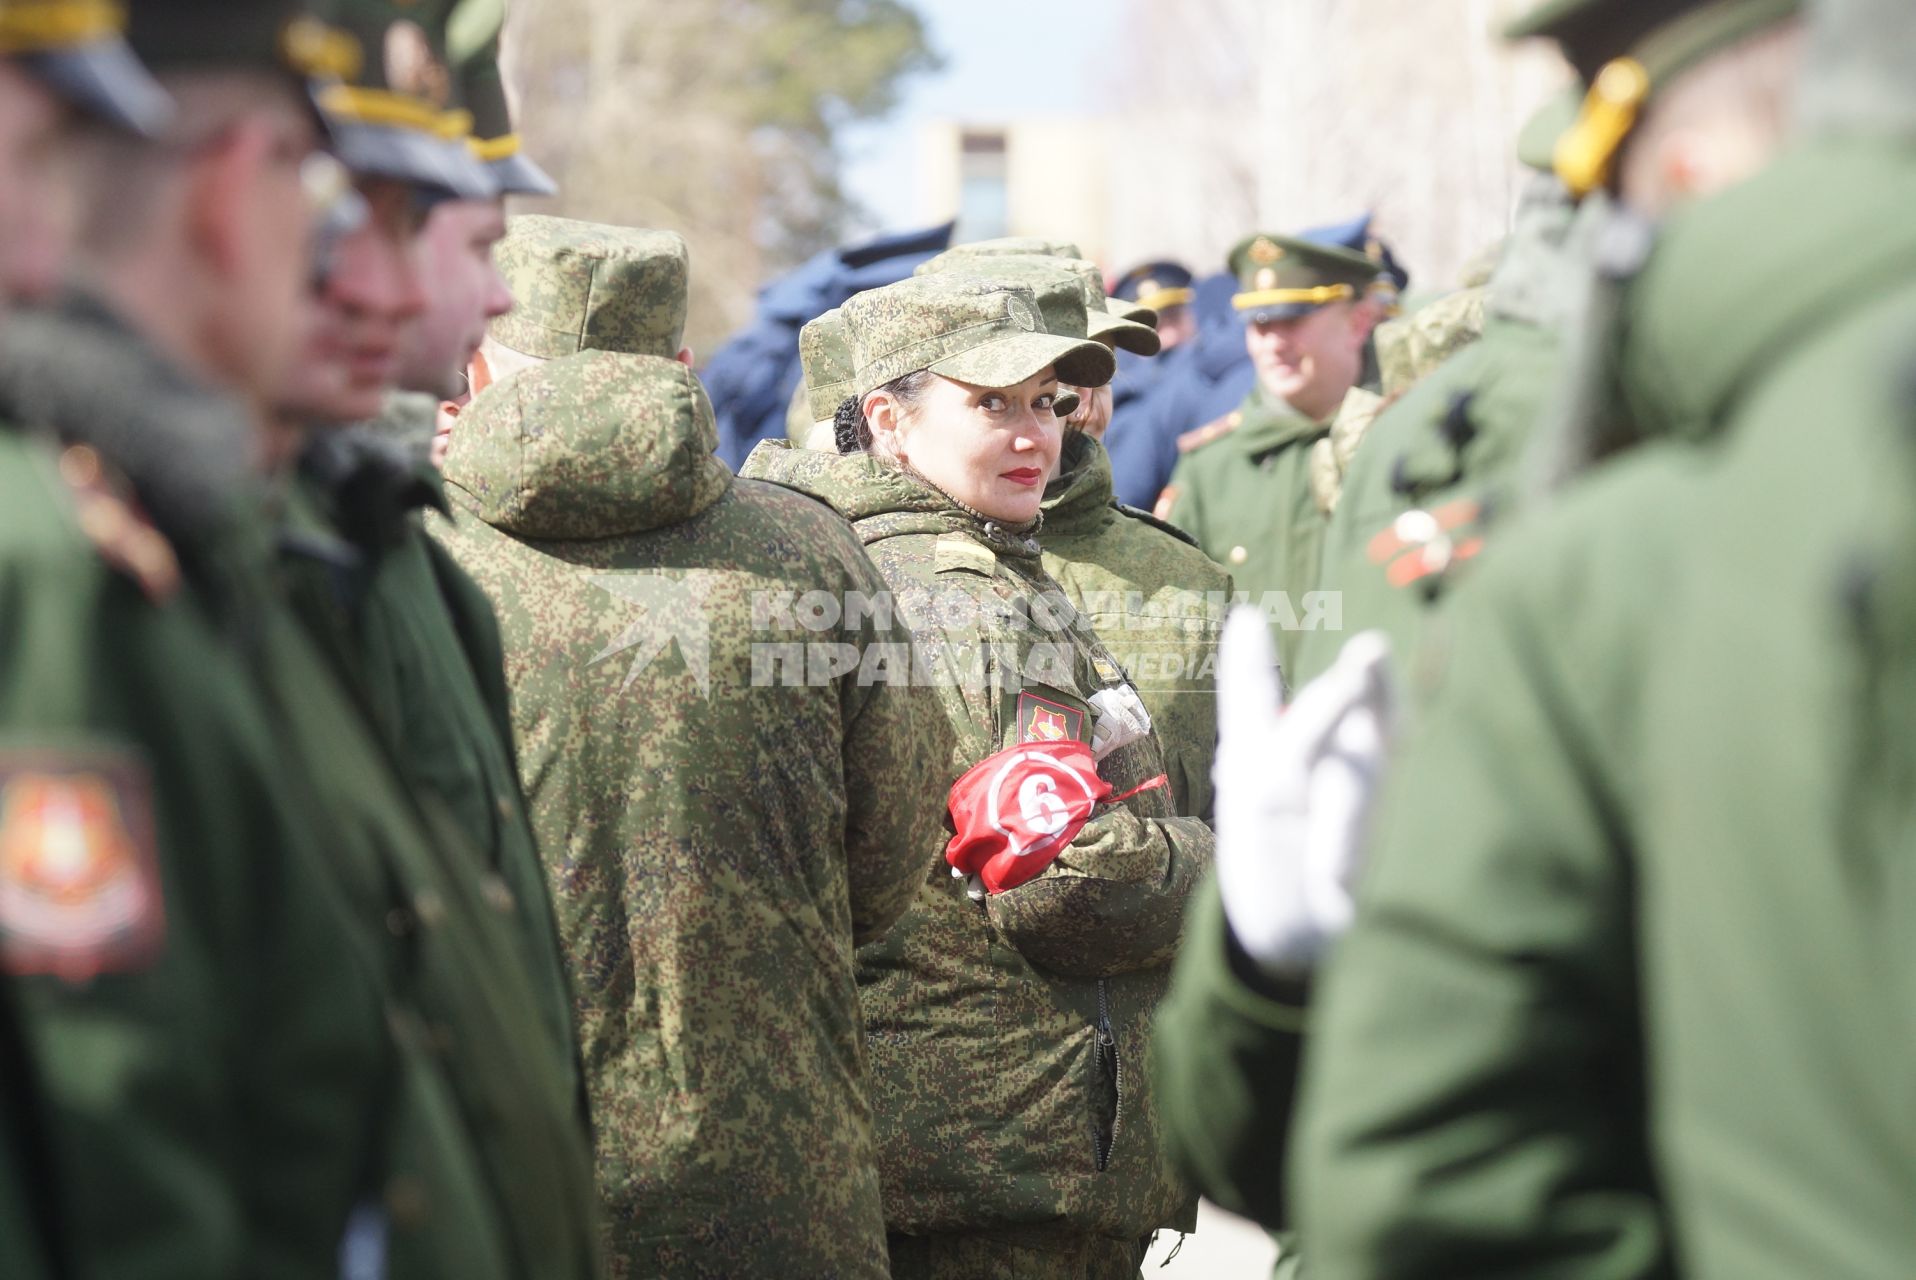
1015	810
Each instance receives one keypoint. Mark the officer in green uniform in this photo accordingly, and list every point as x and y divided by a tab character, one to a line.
417	636
496	1009
216	1029
1244	487
44	69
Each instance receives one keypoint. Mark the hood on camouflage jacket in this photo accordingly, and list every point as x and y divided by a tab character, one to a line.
1009	1038
1152	597
592	446
718	839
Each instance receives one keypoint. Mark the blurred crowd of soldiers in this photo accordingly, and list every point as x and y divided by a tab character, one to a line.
452	824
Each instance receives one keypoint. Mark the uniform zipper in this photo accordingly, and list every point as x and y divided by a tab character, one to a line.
1108	1044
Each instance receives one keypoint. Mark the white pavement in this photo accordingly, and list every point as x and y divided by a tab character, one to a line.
1225	1247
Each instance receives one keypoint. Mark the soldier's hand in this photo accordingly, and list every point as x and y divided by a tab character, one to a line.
1294	791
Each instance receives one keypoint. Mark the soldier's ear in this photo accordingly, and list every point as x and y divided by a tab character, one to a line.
224	186
885	415
685	356
478	373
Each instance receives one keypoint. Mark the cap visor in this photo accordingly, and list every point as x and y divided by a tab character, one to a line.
520	176
405	155
1066	403
1135	312
106	79
1008	361
1138	339
1279	311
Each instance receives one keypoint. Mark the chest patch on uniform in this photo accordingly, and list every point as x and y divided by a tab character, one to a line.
954	551
79	881
1041	720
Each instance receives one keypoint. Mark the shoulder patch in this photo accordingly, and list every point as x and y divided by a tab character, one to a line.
1042	720
954	551
79	876
1210	431
119	531
1157	521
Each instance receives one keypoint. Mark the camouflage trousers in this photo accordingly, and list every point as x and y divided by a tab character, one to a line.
983	1257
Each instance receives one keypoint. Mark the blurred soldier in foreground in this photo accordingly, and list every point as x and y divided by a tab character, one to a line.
1254	988
1641	864
232	1099
721	831
44	73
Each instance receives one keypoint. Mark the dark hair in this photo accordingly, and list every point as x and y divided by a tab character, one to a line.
849	428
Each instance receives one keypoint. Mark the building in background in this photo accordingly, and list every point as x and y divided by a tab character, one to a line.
1228	115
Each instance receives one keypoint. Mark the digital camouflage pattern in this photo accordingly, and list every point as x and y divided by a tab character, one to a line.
1634	892
1454	446
1331	457
588	286
1060	300
1154	600
1003	246
970	329
718	836
825	355
1412	346
1068	304
1247	496
1009	1038
476	1162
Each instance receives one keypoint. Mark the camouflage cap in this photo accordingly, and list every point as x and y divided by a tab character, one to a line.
584	286
1626	51
1115	321
971	330
1282	277
1070	302
1003	246
825	354
77	50
397	114
472	41
1060	300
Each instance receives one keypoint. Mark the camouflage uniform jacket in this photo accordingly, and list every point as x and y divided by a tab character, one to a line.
410	629
1010	1038
719	828
1153	599
315	989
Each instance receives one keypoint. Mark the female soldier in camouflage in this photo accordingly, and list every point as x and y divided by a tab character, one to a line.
1008	1032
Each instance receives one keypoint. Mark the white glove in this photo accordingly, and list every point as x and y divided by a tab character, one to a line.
1121	720
1294	790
